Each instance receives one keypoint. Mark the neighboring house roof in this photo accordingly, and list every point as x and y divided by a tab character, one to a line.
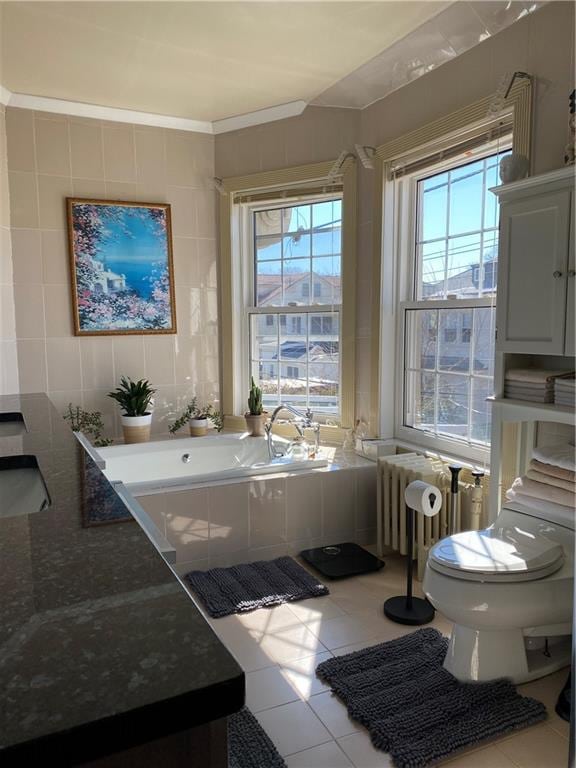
468	278
294	350
269	289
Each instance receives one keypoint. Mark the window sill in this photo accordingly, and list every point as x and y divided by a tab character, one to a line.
331	434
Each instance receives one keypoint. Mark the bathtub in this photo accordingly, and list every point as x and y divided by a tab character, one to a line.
185	462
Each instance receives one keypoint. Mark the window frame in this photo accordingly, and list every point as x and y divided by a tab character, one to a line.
403	197
251	308
294	181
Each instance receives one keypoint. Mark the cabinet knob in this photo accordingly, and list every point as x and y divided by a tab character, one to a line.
557	273
571	272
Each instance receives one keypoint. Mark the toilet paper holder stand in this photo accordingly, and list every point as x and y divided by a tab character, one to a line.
407	609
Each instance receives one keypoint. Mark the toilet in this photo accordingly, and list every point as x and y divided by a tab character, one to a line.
508	589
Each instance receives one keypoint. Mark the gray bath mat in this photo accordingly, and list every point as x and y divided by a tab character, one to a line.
249	745
243	588
416	710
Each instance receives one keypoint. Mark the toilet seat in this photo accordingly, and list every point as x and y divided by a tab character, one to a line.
496	555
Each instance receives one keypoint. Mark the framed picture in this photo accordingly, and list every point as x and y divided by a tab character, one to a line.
121	267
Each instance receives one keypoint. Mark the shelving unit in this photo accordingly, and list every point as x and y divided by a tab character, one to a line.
534	310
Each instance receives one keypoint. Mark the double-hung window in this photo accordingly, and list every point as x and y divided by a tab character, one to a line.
449	318
294	302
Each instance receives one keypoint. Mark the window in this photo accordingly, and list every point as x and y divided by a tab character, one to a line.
449	323
295	353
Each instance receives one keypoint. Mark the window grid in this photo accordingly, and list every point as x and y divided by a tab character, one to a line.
463	330
313	321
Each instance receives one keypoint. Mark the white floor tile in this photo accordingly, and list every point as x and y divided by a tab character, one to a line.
301	674
293	727
535	748
333	714
315	609
325	756
268	688
359	749
267	620
287	644
345	630
490	757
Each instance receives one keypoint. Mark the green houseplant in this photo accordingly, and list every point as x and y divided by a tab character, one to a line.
255	415
135	399
197	417
89	423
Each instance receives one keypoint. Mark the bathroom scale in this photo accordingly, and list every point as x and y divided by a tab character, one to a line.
339	561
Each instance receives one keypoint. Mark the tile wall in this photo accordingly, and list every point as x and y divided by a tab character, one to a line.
8	353
266	518
51	157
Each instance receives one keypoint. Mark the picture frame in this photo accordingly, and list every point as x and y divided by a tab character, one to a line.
121	267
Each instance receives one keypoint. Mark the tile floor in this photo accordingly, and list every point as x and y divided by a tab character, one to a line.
280	648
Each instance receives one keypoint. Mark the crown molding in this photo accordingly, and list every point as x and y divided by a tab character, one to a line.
259	117
118	115
114	114
5	95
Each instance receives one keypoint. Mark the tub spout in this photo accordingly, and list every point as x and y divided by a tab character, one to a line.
302	421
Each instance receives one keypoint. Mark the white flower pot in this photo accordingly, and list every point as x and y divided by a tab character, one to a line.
198	427
136	429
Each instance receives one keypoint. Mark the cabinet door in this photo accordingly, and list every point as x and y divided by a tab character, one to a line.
571	297
533	256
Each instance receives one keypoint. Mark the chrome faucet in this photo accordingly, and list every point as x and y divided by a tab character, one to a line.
303	420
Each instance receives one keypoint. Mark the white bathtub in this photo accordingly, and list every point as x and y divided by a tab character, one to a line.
185	462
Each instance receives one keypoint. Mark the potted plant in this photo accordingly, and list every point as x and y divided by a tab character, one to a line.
197	418
135	399
89	423
255	416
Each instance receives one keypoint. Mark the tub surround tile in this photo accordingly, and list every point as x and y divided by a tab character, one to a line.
229	519
304	502
267	512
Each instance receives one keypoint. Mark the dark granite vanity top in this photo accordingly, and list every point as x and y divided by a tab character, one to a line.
101	648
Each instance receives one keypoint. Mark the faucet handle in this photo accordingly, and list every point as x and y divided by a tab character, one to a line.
309	416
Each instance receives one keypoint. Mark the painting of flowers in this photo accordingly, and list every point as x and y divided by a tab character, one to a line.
121	267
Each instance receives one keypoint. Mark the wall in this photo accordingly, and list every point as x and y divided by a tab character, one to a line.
263	518
53	156
541	44
8	351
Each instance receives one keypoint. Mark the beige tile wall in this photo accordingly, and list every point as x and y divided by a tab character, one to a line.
52	156
541	44
260	519
8	348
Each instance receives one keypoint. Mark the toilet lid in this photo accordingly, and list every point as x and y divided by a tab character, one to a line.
497	554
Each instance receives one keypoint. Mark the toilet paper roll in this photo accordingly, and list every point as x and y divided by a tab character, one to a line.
423	497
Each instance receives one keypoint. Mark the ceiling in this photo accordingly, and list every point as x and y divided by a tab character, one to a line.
198	60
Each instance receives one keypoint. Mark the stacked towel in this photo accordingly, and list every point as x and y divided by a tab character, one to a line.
559	455
532	384
565	390
551	477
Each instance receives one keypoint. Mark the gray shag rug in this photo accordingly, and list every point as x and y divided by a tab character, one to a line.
416	710
243	588
249	745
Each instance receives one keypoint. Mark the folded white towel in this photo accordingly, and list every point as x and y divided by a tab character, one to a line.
527	501
549	469
559	455
541	477
545	492
536	375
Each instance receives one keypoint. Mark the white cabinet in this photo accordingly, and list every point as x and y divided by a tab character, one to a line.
535	305
570	346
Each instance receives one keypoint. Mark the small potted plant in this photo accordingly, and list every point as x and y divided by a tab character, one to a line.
197	418
89	423
135	399
255	416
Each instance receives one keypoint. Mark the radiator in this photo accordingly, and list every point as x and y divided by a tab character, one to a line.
394	474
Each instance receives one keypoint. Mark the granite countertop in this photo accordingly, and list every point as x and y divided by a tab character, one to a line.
101	647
